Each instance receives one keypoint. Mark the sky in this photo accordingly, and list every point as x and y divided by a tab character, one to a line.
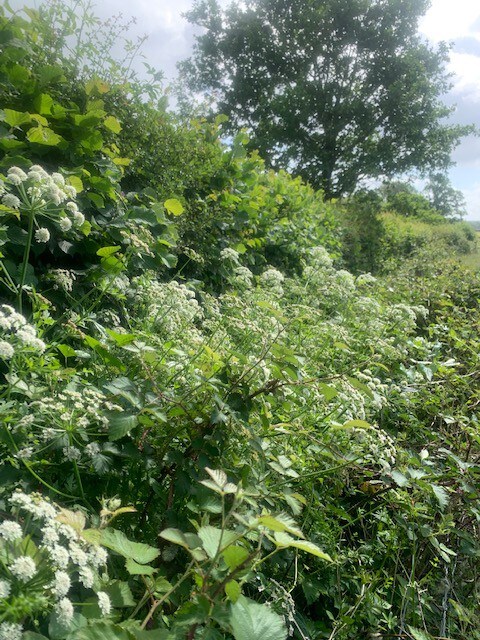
171	37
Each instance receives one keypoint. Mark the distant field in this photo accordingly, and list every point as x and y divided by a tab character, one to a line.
475	224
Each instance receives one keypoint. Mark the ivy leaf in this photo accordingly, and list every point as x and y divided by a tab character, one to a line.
253	621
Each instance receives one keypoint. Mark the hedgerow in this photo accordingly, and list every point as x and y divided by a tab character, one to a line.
209	429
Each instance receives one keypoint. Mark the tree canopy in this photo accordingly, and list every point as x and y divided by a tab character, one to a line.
335	90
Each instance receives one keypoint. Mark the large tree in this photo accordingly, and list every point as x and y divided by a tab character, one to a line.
335	90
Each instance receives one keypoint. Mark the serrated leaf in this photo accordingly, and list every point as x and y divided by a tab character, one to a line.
218	476
441	495
187	540
120	423
215	540
118	542
252	621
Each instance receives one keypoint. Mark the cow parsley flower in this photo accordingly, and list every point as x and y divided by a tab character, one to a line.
9	200
86	577
104	603
62	584
6	350
23	568
42	235
10	631
64	611
10	531
5	589
65	224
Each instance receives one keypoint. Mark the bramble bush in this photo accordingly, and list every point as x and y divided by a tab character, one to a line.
208	429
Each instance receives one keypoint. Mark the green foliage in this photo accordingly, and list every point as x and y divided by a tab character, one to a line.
207	429
338	90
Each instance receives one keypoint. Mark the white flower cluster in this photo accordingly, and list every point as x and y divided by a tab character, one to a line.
272	280
169	306
64	557
48	194
242	278
229	254
62	279
71	414
16	333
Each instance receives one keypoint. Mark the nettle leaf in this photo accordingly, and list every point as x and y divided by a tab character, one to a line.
215	540
118	542
174	207
252	621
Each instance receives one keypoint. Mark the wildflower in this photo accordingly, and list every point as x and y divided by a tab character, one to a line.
86	577
5	589
64	611
78	219
104	603
23	568
72	207
59	556
70	191
92	449
78	556
6	350
19	173
25	453
98	557
65	224
9	200
71	453
62	584
10	631
229	254
10	530
42	235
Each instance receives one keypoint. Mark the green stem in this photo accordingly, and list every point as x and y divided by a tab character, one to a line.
26	255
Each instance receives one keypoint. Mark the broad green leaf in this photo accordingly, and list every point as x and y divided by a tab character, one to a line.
31	635
66	351
120	594
282	522
234	556
112	124
136	569
286	541
120	423
417	634
252	621
102	631
174	207
16	118
233	590
187	540
214	540
76	183
118	542
105	252
357	424
44	136
43	103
